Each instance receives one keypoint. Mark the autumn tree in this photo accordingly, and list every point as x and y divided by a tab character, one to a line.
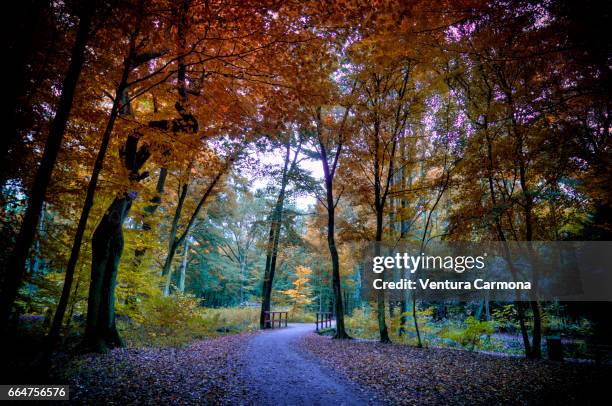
299	295
383	111
135	57
16	262
329	143
288	172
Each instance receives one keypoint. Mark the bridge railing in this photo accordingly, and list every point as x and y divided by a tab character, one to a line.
324	320
278	318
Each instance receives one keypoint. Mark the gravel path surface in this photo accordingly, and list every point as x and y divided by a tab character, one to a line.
280	373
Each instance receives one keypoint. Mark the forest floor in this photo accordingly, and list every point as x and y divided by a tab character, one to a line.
294	366
432	376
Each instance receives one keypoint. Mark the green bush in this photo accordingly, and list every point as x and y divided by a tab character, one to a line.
470	336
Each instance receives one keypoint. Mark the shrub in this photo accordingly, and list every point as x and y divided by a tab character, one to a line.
236	319
177	320
362	324
427	327
167	321
471	334
301	316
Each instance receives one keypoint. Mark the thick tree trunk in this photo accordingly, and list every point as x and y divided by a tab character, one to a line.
536	340
16	263
106	249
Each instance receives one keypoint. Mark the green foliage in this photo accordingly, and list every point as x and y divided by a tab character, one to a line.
470	335
363	323
506	318
427	327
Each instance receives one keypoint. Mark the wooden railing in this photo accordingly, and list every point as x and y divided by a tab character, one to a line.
279	318
324	319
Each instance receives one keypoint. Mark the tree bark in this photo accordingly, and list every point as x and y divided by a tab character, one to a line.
330	204
331	243
172	244
406	181
106	248
380	295
273	240
183	269
16	263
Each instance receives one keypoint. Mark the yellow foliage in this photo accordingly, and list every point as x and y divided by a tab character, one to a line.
178	320
299	296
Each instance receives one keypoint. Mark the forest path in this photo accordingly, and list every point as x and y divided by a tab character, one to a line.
280	373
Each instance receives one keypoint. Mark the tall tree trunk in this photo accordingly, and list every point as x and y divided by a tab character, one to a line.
107	246
404	228
183	269
536	341
331	243
172	243
16	263
502	237
329	173
266	290
380	196
273	241
106	250
380	294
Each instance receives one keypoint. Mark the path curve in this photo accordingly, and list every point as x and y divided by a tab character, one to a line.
280	373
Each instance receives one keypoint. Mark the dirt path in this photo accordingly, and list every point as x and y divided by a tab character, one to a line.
279	373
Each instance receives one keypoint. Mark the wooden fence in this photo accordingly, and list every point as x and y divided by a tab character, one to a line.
324	319
279	318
